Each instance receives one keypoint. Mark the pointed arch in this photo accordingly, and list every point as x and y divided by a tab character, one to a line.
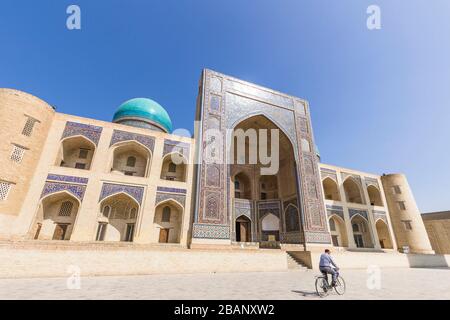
76	151
331	189
374	195
119	224
120	154
168	227
383	233
353	191
338	231
174	167
55	219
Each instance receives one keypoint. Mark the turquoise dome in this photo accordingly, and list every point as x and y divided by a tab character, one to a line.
145	110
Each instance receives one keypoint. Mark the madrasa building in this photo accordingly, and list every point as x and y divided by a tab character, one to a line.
74	179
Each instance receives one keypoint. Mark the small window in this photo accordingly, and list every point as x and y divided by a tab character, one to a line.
237	185
131	161
263	196
101	231
396	190
407	224
401	205
83	153
79	165
17	153
28	127
133	213
332	225
355	227
66	209
166	214
5	187
237	194
263	186
172	167
106	211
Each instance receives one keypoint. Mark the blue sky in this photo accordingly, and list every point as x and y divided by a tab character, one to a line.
380	100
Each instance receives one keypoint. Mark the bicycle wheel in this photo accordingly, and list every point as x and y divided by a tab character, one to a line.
340	286
321	287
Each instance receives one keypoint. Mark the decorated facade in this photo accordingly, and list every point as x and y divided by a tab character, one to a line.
77	179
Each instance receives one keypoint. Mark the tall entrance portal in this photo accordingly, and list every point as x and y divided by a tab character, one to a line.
237	199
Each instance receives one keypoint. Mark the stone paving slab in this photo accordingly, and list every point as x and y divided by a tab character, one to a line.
396	283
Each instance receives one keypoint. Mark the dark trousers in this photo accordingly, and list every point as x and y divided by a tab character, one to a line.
328	270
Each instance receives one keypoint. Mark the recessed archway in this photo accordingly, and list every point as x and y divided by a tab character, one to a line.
331	189
243	229
268	187
168	222
130	158
383	234
56	216
374	196
338	231
361	232
257	145
76	152
241	185
270	228
117	218
174	167
353	191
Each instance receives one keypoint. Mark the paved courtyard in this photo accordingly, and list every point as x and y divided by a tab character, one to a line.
396	283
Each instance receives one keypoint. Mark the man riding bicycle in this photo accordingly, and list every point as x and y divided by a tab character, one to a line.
328	266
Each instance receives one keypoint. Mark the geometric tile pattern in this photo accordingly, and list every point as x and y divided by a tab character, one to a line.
135	192
88	131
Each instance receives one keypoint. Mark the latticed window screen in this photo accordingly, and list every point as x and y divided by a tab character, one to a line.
28	128
66	209
4	189
17	153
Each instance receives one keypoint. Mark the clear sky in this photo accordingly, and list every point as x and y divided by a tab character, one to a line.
380	99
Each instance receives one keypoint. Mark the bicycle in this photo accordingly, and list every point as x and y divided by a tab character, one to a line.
323	288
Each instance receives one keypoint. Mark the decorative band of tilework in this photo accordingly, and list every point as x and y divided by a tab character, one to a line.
331	211
336	208
265	207
370	181
272	204
294	237
164	196
243	207
54	187
176	146
317	237
58	177
211	231
120	136
380	215
91	132
328	170
362	213
171	190
135	192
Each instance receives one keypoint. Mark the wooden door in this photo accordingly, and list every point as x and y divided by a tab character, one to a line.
164	236
60	231
243	226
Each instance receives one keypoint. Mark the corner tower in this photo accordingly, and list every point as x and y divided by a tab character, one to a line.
406	220
24	125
